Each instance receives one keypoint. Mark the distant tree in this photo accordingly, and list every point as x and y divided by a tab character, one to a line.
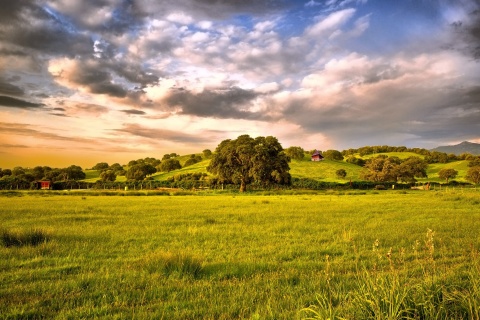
436	157
115	167
38	172
474	162
207	153
54	175
152	161
296	153
100	166
173	155
452	157
73	173
381	169
170	165
341	173
333	155
6	172
473	174
108	175
357	161
466	156
140	171
411	168
245	160
447	174
18	171
192	160
166	157
189	162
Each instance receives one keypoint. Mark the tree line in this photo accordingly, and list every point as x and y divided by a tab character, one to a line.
244	161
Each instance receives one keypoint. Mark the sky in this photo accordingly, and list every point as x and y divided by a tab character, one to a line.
88	81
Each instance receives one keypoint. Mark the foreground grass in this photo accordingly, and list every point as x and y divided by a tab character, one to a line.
233	256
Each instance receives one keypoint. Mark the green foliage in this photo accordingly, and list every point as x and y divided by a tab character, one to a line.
169	165
108	175
207	153
473	175
357	161
341	173
192	160
474	162
100	166
245	160
447	173
392	169
333	155
140	171
295	153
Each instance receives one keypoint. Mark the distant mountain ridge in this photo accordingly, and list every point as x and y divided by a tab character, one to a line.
463	147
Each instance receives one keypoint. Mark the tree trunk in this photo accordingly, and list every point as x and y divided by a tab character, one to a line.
243	186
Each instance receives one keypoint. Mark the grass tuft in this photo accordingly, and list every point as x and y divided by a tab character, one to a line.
33	237
175	265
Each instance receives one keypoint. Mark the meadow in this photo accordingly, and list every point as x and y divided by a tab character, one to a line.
352	254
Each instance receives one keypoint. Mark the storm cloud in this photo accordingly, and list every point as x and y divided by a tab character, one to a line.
7	101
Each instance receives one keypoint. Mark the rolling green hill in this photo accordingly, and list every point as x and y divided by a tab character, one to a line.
401	155
320	171
324	170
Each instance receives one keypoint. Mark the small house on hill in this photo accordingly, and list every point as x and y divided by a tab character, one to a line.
317	156
44	185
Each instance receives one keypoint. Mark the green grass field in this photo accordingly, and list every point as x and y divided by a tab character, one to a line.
354	255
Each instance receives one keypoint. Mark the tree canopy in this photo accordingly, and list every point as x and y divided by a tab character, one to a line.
473	174
393	169
169	165
296	153
447	173
246	160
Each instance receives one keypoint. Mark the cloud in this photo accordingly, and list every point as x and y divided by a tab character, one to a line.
469	34
33	132
13	146
163	134
357	99
10	89
133	112
217	103
17	103
89	74
330	23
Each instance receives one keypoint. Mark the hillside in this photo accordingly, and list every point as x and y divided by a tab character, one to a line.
464	147
320	171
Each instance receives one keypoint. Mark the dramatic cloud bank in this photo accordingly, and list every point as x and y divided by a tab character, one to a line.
114	80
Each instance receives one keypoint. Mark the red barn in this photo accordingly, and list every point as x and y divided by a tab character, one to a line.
45	185
317	156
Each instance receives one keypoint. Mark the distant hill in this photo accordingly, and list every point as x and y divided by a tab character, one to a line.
464	147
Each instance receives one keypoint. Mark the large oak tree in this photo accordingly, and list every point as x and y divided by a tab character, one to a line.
246	160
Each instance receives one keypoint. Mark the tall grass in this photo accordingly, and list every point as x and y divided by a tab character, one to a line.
31	237
233	256
422	291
